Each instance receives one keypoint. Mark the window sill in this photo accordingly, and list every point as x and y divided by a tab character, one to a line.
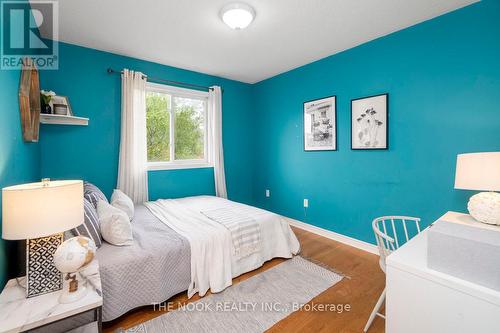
157	166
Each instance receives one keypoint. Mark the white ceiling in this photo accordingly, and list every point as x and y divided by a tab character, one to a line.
284	35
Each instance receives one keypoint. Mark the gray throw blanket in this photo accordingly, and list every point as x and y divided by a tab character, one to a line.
244	229
153	269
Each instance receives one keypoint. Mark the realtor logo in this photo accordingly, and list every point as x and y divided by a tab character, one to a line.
23	23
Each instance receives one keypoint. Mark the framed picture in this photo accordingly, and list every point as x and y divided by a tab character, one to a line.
370	122
60	106
320	124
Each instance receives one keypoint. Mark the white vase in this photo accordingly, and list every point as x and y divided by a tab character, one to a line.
485	207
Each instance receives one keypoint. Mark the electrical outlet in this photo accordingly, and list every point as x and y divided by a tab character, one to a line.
306	203
268	193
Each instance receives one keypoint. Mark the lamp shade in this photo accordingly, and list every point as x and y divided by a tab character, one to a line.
41	209
478	171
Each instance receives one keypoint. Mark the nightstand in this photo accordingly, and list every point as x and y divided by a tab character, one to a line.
19	314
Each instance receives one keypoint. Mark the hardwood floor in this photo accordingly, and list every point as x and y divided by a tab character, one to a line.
361	289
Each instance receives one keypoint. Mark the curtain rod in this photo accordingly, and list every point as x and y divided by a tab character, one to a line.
153	79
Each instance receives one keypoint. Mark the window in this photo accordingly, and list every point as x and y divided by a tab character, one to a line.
176	127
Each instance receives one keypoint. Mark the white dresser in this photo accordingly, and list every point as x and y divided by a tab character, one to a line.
420	299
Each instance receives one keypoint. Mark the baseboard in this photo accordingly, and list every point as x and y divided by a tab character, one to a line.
335	236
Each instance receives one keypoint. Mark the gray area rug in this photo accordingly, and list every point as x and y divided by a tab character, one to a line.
253	305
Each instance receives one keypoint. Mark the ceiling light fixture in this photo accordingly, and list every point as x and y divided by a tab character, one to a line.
237	15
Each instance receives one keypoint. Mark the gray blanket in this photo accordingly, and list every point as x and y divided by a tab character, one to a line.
153	269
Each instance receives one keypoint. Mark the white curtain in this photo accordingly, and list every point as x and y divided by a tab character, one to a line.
132	167
217	153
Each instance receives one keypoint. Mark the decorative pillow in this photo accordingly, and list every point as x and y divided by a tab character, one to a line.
90	227
115	224
93	194
121	201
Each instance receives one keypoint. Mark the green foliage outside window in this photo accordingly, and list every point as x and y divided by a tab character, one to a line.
158	127
189	131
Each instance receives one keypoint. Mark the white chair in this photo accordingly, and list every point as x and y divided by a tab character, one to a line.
387	242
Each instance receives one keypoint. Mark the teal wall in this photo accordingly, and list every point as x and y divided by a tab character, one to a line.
91	152
186	182
19	161
443	80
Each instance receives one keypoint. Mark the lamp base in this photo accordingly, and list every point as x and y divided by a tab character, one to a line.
41	275
485	207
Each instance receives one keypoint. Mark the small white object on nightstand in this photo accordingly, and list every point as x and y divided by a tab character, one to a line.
18	313
72	256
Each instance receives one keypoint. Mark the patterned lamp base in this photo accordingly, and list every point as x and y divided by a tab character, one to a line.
41	275
485	207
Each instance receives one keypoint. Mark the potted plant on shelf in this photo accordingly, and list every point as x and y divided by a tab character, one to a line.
46	97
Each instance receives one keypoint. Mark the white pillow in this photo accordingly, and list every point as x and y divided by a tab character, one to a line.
115	224
121	201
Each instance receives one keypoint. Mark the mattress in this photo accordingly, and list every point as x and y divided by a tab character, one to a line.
153	269
158	265
278	239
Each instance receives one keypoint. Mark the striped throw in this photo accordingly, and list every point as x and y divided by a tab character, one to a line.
90	227
244	229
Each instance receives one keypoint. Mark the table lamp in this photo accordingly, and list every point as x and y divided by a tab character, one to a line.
40	213
481	171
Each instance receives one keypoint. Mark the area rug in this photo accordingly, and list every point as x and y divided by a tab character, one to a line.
253	305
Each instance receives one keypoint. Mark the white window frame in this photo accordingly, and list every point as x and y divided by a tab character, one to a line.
183	164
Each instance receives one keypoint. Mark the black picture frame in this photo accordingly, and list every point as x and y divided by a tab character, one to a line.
334	135
385	122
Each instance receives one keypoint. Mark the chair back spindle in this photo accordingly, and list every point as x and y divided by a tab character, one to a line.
393	231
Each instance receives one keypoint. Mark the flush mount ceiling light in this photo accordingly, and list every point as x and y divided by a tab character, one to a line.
237	15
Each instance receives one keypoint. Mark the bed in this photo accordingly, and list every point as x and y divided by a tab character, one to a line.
158	265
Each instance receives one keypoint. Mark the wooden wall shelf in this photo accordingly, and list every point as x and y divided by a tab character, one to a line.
55	119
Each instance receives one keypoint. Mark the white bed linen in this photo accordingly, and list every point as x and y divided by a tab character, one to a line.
278	239
212	257
210	244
